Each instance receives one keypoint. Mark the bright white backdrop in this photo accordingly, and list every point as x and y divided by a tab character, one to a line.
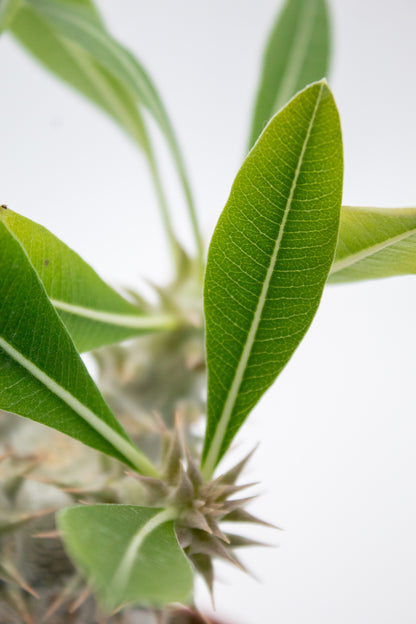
338	430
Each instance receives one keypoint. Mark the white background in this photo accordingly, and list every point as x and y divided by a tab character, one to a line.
338	430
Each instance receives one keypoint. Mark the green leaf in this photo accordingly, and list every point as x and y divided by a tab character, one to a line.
128	554
8	11
42	376
297	53
92	311
269	259
374	243
72	64
73	22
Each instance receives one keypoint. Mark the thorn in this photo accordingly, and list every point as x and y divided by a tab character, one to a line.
208	545
237	541
193	469
59	601
237	503
12	574
184	493
173	457
83	596
215	529
231	476
194	519
241	515
156	488
203	565
184	536
47	534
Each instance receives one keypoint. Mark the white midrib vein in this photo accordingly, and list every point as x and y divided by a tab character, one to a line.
214	450
297	54
113	437
134	321
123	571
369	251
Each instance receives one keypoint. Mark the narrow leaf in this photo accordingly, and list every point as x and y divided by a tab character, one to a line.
128	554
42	376
374	243
74	23
75	66
297	53
269	259
92	311
8	11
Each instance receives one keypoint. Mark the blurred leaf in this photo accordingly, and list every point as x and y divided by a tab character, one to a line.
374	243
8	11
75	22
269	259
92	311
72	64
128	554
42	376
297	53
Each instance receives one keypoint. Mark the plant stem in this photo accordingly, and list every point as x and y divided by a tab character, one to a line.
163	205
177	156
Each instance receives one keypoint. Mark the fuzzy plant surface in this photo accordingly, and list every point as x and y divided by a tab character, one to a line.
111	501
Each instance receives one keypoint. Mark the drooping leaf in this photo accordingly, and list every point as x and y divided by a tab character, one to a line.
297	53
42	376
72	21
8	11
74	65
269	259
92	311
128	554
374	243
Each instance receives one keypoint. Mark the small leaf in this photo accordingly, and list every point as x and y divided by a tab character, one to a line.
269	259
42	376
8	11
297	53
130	555
92	311
374	243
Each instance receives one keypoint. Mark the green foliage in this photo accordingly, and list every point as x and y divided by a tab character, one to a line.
297	53
375	243
70	39
269	259
93	313
42	376
270	256
129	554
77	67
8	11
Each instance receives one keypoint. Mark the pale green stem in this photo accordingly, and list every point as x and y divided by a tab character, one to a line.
163	206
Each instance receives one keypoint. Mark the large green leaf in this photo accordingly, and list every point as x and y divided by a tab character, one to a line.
42	377
77	67
128	554
8	11
269	259
92	311
374	243
297	53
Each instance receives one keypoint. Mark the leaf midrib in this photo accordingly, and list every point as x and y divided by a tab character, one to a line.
113	437
339	265
215	448
132	321
123	571
296	55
